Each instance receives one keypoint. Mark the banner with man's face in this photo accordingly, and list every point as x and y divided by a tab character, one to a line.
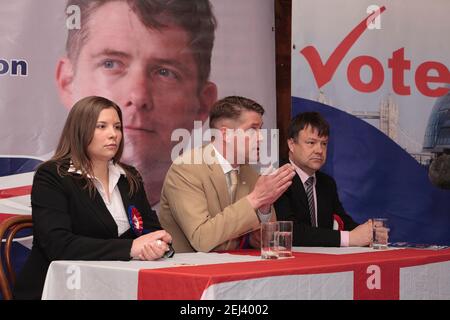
379	73
155	74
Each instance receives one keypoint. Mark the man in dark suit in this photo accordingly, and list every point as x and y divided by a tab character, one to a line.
312	201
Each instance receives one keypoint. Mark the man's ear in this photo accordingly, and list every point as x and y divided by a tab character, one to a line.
290	143
64	81
208	96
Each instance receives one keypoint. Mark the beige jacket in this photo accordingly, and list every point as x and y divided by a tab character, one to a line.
196	208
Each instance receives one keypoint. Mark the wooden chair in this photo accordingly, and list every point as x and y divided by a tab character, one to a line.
8	230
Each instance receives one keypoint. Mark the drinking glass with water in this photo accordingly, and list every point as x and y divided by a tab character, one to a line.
284	237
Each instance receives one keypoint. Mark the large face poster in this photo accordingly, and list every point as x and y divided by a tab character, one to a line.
378	71
159	77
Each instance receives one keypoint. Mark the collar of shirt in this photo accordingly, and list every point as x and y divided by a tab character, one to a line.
302	174
224	163
114	170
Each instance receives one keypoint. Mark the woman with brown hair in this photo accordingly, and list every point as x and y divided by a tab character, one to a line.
86	204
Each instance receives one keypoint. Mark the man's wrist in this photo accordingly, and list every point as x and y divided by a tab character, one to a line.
253	202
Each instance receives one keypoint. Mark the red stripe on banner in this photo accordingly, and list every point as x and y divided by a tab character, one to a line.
4	216
15	192
189	282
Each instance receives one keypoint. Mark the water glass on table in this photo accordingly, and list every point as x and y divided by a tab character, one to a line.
269	240
380	233
284	238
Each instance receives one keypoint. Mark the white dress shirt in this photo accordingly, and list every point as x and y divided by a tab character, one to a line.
303	177
115	203
345	235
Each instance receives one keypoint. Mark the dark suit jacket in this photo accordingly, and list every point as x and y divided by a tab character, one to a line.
70	225
293	206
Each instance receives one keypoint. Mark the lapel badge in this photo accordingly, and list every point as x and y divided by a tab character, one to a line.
135	220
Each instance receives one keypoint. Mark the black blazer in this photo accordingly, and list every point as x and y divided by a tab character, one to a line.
70	225
293	206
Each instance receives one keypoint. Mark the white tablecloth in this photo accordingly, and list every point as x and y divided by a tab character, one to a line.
117	280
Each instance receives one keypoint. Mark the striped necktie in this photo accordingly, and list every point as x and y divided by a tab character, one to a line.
310	195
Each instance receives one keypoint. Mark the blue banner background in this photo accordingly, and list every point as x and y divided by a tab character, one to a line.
377	178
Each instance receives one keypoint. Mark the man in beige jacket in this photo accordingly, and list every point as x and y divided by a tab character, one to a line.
211	198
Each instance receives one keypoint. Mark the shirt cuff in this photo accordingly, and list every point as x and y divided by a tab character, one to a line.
345	238
264	217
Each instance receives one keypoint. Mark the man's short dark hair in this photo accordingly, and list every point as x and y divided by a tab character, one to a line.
231	108
194	16
305	119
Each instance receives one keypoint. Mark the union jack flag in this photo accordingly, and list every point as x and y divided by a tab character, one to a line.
16	178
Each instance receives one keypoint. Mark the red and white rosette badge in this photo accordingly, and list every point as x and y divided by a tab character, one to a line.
135	220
